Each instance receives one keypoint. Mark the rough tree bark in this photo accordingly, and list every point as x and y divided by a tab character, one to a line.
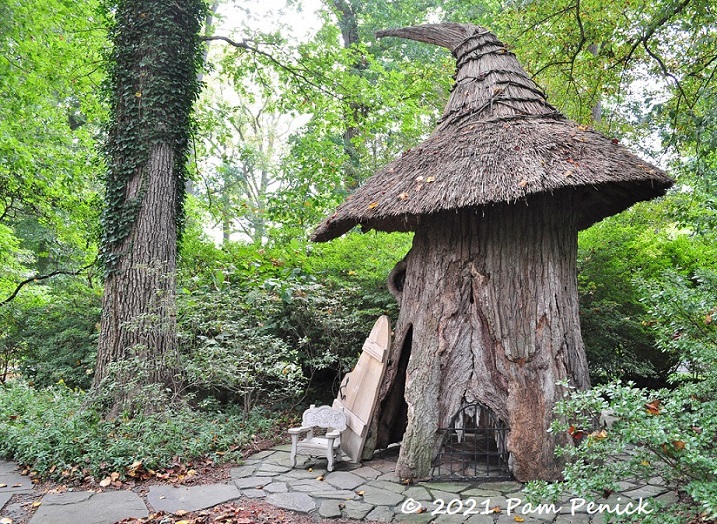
138	307
153	78
489	302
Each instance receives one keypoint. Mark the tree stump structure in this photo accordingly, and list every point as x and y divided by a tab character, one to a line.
501	328
488	292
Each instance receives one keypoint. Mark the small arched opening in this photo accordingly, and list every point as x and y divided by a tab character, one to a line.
474	446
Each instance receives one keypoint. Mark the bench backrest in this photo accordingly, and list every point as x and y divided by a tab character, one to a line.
324	417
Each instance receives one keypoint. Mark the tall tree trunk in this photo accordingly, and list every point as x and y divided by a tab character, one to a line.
357	112
138	308
489	303
153	76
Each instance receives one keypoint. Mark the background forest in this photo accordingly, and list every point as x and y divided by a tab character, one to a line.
300	104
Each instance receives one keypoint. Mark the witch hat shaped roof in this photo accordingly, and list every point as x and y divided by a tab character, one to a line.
499	140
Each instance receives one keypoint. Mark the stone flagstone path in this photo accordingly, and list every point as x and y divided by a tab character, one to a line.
365	492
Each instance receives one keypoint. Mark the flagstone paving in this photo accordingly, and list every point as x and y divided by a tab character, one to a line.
364	492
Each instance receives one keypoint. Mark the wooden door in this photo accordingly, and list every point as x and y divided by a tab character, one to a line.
359	390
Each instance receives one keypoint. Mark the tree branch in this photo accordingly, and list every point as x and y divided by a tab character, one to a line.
652	29
667	73
44	277
245	45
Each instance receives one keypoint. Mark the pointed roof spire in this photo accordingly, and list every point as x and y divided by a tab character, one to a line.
490	81
499	141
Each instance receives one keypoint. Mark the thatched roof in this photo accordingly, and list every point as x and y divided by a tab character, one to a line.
499	141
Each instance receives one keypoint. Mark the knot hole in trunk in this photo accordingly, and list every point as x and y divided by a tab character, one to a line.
397	280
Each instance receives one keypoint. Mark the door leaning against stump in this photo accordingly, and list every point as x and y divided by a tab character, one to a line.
359	389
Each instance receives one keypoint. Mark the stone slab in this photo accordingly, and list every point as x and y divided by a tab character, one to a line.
450	487
381	514
340	494
242	472
419	518
355	509
310	485
259	457
344	480
367	472
645	492
330	509
482	519
381	497
295	474
480	493
15	483
254	493
4	499
292	501
7	467
418	493
390	486
458	518
192	498
252	482
507	486
89	508
578	518
276	487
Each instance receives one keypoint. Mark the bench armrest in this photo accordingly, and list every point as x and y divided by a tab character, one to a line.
299	431
333	434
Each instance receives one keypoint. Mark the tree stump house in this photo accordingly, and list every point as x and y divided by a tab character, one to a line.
488	292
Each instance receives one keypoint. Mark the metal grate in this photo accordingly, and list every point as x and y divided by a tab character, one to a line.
474	447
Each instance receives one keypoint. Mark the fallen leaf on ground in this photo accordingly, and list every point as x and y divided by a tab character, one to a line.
653	408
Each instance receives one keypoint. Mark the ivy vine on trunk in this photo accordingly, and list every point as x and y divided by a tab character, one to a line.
153	83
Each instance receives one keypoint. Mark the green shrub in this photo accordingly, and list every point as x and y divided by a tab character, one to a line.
52	336
261	312
58	433
668	433
615	257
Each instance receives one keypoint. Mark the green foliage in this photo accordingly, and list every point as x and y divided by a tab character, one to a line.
49	116
49	333
310	306
614	257
666	433
152	85
58	434
228	351
59	336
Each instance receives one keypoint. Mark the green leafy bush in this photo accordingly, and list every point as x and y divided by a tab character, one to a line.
58	433
263	311
616	257
230	352
50	334
667	433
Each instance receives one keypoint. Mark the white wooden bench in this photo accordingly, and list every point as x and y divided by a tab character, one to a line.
303	440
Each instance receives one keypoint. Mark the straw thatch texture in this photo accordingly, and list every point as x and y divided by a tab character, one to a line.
498	141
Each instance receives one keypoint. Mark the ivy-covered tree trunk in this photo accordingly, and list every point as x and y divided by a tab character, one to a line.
153	79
